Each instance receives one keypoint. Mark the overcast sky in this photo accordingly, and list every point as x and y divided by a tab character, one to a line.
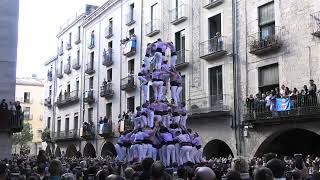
38	24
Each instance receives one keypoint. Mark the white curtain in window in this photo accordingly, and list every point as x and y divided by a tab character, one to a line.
269	75
266	14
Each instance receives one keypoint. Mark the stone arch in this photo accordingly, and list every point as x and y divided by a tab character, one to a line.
89	150
71	151
108	149
48	150
57	153
217	148
289	142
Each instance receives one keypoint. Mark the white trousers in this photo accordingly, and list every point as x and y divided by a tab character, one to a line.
157	89
173	60
171	154
166	120
144	88
174	93
158	60
150	119
179	89
119	152
158	118
177	150
147	61
176	119
139	148
183	121
131	152
137	122
143	121
197	155
185	154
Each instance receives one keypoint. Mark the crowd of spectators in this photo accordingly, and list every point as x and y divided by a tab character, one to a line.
269	167
266	101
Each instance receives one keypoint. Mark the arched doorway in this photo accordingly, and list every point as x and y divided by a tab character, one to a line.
290	142
216	148
108	149
89	151
48	150
71	151
57	153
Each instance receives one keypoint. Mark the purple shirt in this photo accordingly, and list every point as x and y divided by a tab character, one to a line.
140	136
183	110
122	139
196	141
162	45
184	138
165	67
148	50
174	77
172	47
166	136
156	106
173	131
164	106
143	71
156	75
175	108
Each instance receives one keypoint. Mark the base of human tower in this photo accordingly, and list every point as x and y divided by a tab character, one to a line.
159	125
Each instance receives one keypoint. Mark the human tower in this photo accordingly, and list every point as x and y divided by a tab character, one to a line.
160	130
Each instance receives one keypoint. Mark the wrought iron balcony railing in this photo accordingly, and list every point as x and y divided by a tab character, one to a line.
60	51
77	39
88	131
60	74
267	40
11	121
315	24
130	19
76	64
89	97
89	69
179	14
106	90
300	108
47	102
181	59
213	48
68	98
130	48
107	58
211	104
153	28
105	130
208	4
128	83
91	43
67	68
67	135
68	46
49	75
108	32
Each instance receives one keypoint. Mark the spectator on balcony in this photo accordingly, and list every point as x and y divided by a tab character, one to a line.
219	41
3	105
250	102
105	120
312	93
268	100
283	91
100	120
277	92
294	97
12	108
18	107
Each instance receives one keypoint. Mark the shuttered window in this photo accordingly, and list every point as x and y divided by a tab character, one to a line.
266	14
268	75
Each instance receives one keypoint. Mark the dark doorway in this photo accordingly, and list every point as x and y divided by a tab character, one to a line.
216	148
108	149
71	151
57	153
290	142
89	151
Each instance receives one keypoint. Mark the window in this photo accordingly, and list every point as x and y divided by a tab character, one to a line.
180	40
91	60
266	20
75	122
79	32
70	34
77	85
48	122
90	83
61	66
68	88
183	92
131	66
67	125
131	12
110	44
130	104
78	56
214	25
268	78
109	74
154	12
109	110
215	80
90	114
59	125
26	97
61	45
111	23
50	91
131	32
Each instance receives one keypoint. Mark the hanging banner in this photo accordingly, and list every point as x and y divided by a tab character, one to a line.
283	104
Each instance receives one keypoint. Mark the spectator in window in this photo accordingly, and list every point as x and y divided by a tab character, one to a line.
268	100
312	88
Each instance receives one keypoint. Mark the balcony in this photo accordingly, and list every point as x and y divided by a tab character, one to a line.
11	121
105	130
47	102
60	51
76	64
209	4
315	24
303	108
67	69
46	135
153	28
130	18
265	41
68	135
49	76
60	74
77	39
213	48
130	48
88	131
178	14
107	57
88	97
108	32
69	46
89	69
181	59
209	106
128	84
69	98
106	90
91	43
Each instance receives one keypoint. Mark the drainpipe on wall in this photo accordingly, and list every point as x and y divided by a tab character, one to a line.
141	31
120	103
98	91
